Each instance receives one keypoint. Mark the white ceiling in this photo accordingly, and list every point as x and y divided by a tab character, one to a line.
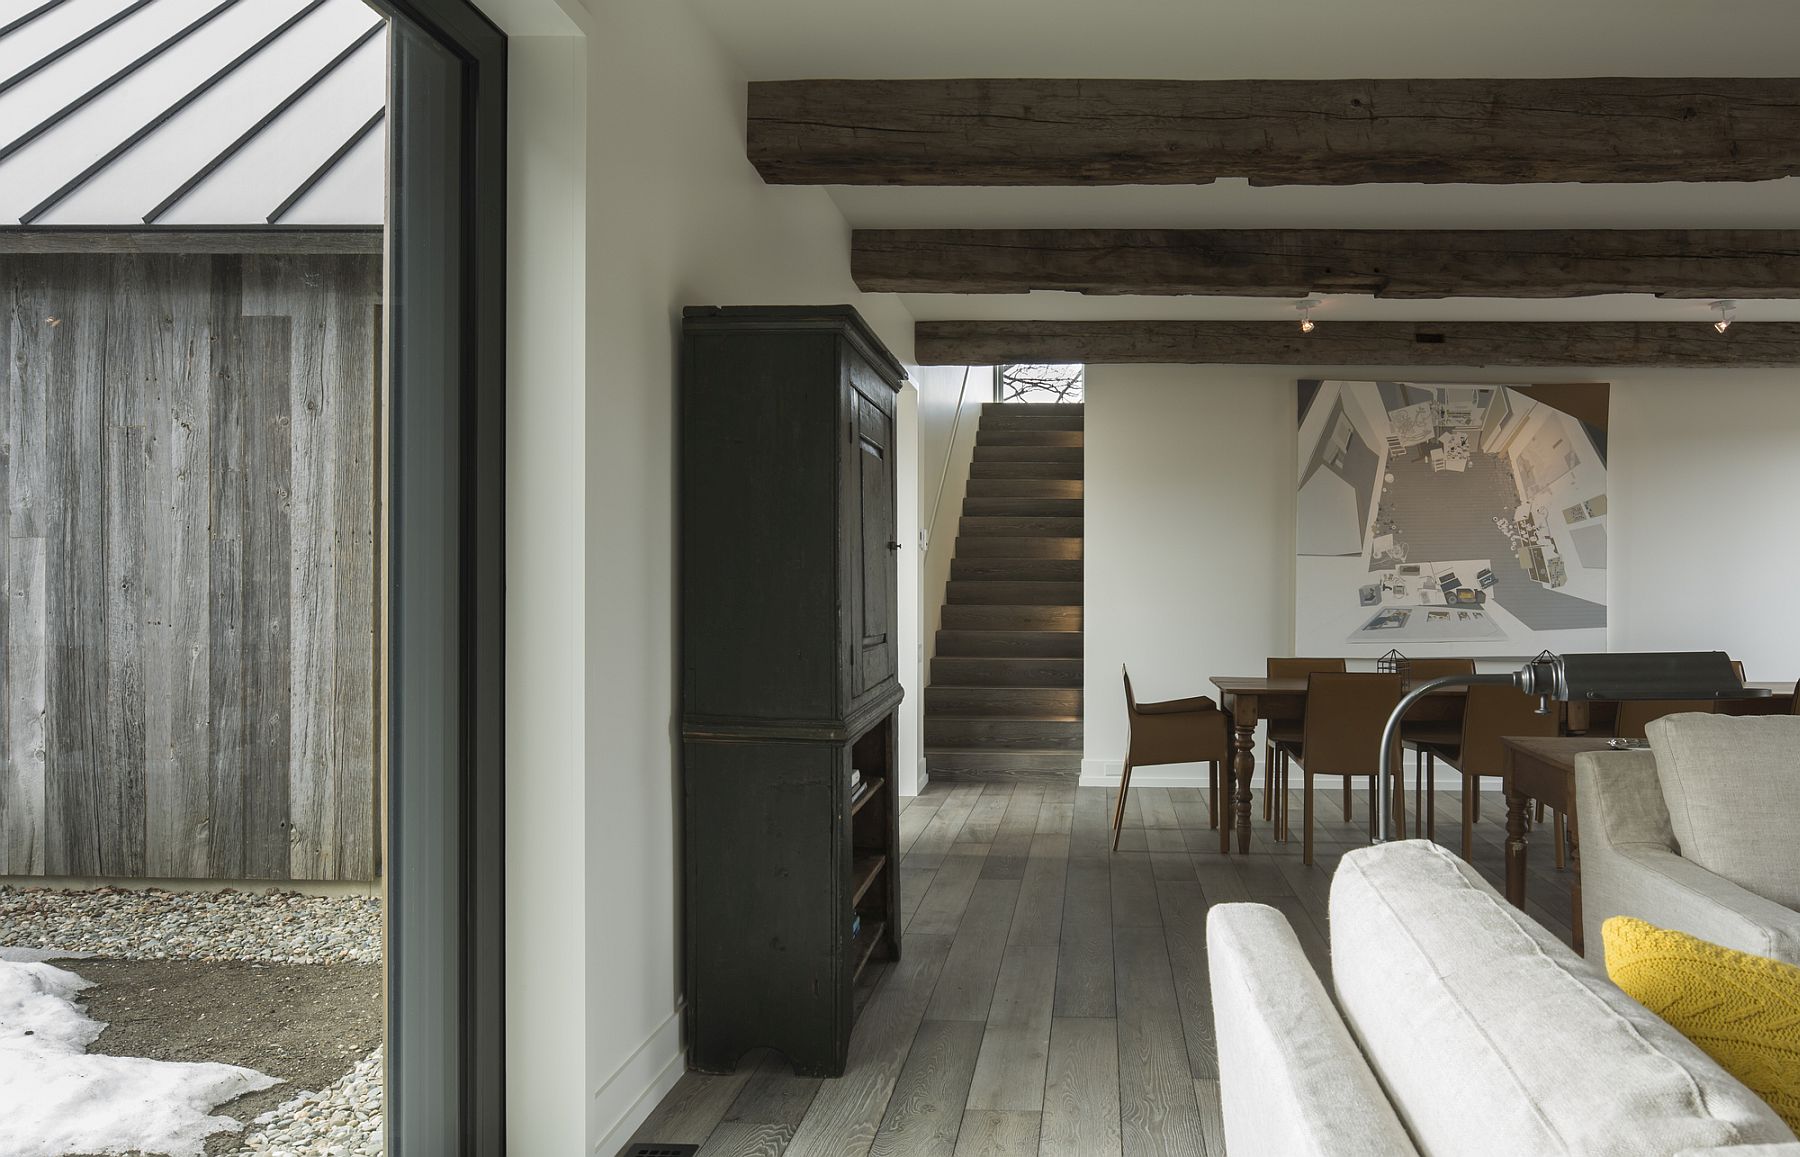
1245	39
1253	39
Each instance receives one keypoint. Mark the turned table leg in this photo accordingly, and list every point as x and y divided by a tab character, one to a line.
1515	846
1243	768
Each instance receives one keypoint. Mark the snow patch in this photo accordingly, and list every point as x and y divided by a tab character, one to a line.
60	1099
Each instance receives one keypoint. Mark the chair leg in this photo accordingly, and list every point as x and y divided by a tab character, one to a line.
1477	799
1119	808
1268	776
1213	779
1430	796
1561	850
1347	799
1306	817
1281	801
1471	785
1539	812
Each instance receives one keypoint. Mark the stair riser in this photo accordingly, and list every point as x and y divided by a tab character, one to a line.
1013	546
1006	672
1019	527
1011	702
1009	644
1071	470
1035	570
1028	453
1026	488
975	617
1015	594
1022	507
1067	439
1003	767
1002	734
999	420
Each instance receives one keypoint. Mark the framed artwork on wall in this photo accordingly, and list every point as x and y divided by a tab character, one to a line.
1440	519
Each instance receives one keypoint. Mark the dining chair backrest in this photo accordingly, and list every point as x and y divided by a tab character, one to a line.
1794	703
1635	713
1345	715
1130	699
1301	668
1738	666
1494	710
1418	670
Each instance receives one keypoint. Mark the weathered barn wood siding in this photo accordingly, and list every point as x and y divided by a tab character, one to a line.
188	472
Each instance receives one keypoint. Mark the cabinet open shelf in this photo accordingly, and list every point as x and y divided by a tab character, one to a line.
868	793
864	945
863	870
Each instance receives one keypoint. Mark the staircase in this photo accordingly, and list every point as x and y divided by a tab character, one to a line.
1004	702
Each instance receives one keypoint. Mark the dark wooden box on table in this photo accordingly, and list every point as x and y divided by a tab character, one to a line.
789	678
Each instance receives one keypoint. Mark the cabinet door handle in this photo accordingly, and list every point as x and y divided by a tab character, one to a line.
893	546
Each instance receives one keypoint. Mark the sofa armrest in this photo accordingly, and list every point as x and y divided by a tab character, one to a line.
1291	1079
1630	866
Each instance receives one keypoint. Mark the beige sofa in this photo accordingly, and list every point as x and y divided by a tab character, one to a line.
1465	1030
1701	833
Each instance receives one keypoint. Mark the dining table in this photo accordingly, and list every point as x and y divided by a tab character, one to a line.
1251	699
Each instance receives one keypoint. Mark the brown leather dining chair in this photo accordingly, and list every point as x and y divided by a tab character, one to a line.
1490	712
1177	731
1435	733
1274	772
1346	713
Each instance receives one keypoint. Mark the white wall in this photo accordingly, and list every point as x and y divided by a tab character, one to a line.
632	198
1190	513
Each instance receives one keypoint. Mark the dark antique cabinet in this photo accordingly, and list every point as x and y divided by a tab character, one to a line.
789	678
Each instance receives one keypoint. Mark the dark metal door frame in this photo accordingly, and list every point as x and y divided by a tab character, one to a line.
446	308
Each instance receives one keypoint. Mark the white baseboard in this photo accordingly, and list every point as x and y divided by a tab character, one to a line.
1106	772
627	1097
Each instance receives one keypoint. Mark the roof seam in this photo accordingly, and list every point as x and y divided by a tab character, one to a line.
231	150
63	50
331	163
27	18
166	115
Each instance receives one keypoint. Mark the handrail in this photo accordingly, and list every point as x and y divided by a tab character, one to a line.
949	453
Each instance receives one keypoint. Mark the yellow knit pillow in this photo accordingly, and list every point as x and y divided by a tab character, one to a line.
1743	1010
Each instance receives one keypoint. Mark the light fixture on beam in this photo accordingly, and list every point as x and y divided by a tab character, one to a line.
1562	678
1306	308
1727	311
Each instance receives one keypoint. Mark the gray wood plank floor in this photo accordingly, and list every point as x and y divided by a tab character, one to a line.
1052	997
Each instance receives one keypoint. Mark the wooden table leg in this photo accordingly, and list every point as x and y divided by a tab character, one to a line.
1243	768
1515	846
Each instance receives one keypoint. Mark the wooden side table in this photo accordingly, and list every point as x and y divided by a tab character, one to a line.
1543	769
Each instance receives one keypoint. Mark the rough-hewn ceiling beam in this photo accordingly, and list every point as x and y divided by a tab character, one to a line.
1273	132
1399	263
1360	343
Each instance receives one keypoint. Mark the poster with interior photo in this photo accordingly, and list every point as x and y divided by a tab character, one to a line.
1446	520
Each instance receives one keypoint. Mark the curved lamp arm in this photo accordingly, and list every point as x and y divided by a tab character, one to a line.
1384	789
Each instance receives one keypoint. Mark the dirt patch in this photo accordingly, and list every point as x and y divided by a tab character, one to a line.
305	1023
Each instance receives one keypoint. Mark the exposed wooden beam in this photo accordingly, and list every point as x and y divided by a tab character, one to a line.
1360	343
1399	263
166	239
1273	132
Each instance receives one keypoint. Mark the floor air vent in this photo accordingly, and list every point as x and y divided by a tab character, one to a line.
659	1149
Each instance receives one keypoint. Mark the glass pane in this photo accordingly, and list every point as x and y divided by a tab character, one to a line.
1041	383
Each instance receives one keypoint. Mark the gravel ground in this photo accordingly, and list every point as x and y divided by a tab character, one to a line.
267	928
343	1120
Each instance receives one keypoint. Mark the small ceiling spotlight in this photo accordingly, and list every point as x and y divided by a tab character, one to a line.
1727	311
1306	308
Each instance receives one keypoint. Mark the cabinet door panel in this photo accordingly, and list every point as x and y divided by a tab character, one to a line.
876	574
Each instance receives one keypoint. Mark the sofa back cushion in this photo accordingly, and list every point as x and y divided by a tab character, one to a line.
1733	789
1492	1037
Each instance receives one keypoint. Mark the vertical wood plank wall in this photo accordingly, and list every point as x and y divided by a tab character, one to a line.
188	576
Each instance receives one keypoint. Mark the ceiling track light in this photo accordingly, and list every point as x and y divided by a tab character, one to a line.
1727	311
1306	307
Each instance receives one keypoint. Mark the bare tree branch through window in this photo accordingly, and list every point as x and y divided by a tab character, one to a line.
1041	383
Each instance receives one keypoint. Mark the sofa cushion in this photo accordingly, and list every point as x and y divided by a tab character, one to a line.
1492	1037
1744	1010
1291	1080
1733	790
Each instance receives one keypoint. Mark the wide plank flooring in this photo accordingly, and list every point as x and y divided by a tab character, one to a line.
1052	996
